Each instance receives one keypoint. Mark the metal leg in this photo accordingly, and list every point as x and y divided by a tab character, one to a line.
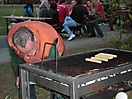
24	89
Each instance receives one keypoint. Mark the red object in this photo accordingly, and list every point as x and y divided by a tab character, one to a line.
89	6
100	10
63	12
54	24
70	9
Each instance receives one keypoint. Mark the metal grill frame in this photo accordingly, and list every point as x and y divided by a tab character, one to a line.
74	88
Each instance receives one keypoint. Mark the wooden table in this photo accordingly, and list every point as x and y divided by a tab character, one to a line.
118	12
9	19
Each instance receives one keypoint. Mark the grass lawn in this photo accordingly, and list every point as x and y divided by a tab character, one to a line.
7	11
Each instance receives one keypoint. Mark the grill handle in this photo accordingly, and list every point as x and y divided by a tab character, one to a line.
48	43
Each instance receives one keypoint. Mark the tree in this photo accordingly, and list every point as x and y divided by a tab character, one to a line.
120	24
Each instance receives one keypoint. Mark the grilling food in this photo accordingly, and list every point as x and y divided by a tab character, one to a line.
93	60
103	56
106	54
98	58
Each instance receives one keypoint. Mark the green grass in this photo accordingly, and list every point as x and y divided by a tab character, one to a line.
7	79
7	11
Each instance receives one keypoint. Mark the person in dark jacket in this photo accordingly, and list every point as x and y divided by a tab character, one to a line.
76	18
43	9
78	12
53	13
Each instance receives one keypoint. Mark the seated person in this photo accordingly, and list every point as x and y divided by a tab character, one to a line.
43	9
62	10
28	10
53	13
73	2
99	10
89	7
76	18
37	8
93	23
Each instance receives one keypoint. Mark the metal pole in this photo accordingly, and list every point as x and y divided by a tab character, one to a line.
24	88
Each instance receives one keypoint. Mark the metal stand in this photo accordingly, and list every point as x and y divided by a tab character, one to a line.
74	87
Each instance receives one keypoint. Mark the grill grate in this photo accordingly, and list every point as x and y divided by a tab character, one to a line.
76	65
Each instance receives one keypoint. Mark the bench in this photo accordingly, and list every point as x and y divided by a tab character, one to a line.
76	30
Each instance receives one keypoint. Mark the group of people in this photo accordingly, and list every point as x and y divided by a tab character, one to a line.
65	17
78	14
96	14
43	10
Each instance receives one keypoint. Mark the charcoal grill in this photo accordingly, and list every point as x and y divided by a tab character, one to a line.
73	76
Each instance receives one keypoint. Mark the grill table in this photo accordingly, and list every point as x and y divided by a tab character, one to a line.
73	76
